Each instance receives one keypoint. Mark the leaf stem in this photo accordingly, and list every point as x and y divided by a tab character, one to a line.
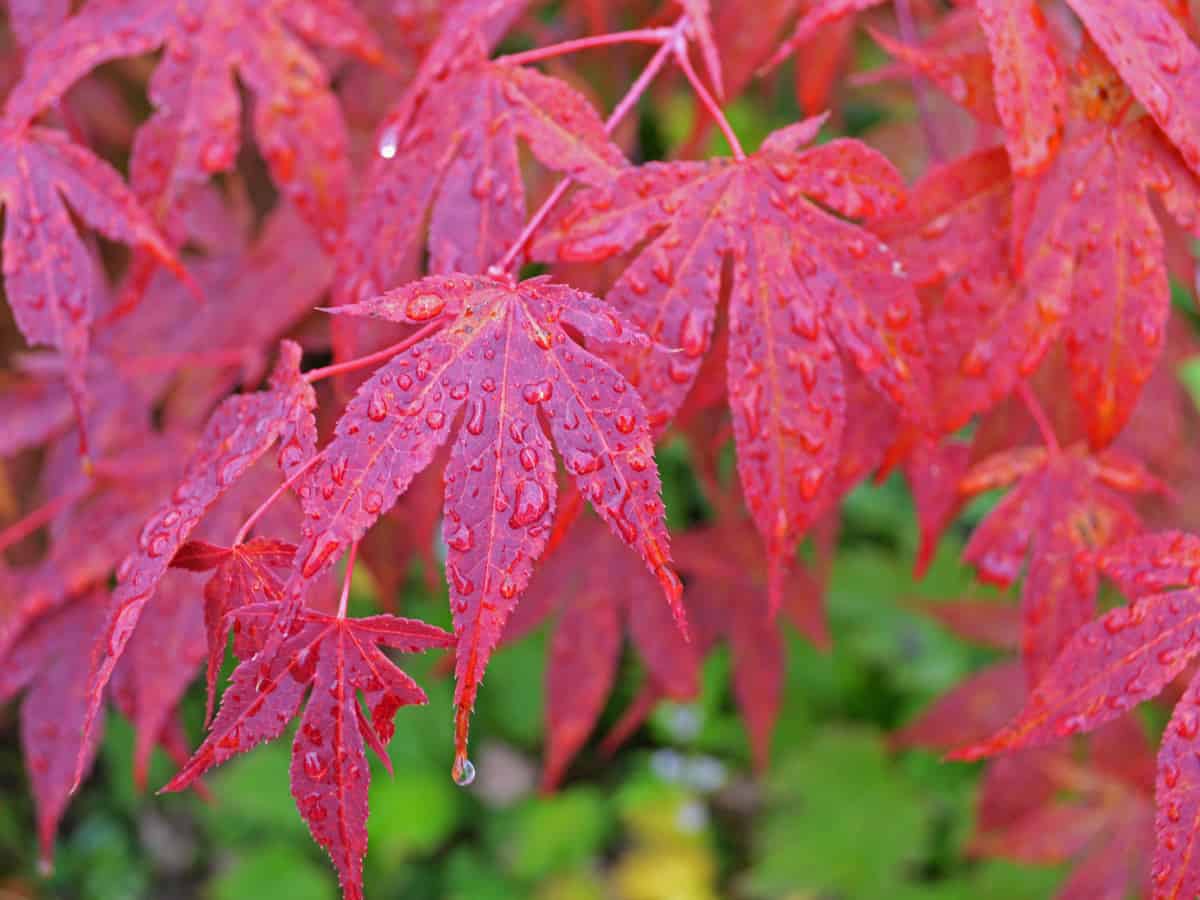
266	504
636	90
706	99
345	598
1039	416
352	365
909	35
23	528
636	36
159	362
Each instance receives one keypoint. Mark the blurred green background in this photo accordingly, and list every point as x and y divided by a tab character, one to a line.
676	815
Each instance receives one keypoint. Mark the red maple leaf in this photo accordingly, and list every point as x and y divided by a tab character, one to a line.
50	277
598	591
1043	806
195	130
1065	510
1030	94
805	284
1158	61
1083	262
244	574
240	431
729	598
506	360
1125	657
453	151
337	658
1046	807
48	665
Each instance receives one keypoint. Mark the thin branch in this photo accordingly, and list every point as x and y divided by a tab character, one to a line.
353	365
43	515
636	36
266	504
635	92
909	35
345	598
710	104
1039	416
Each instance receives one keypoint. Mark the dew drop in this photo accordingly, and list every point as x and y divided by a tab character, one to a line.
693	334
462	540
531	503
377	407
538	392
314	767
424	307
389	142
464	772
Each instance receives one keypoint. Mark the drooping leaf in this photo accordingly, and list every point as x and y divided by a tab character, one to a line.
458	159
49	665
195	129
1066	509
247	573
598	590
1056	810
805	284
1119	660
242	429
1158	61
50	277
1030	94
331	660
506	361
970	711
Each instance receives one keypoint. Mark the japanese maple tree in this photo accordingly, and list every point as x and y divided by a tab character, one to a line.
442	302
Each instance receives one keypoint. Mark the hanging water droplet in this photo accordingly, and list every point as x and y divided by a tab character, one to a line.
464	772
389	141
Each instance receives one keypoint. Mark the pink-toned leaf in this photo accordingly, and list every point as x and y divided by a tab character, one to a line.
459	155
1030	90
195	129
48	664
31	20
1125	657
1062	514
1156	58
241	430
1151	563
504	360
1176	872
337	659
970	712
51	278
805	285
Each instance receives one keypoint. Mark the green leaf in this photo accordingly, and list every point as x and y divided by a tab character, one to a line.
841	818
275	871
